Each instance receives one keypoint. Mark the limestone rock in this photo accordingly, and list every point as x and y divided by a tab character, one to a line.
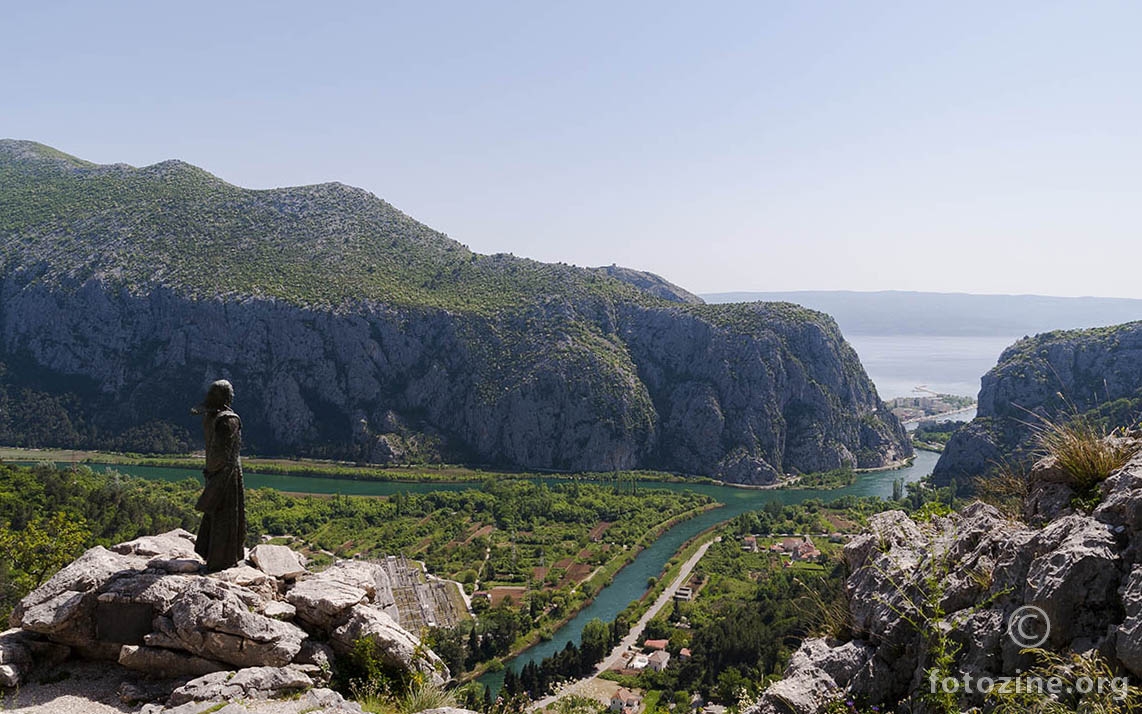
161	662
814	678
1075	582
279	610
322	602
277	561
248	683
243	575
216	624
66	588
370	577
172	544
1129	640
194	708
128	604
367	622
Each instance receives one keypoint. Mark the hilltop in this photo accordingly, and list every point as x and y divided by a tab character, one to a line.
353	331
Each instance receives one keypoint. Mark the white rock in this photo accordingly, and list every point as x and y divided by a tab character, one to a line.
277	561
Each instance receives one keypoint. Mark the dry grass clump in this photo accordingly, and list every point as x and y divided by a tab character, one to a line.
1083	449
1006	488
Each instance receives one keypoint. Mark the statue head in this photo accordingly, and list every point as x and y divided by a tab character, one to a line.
219	396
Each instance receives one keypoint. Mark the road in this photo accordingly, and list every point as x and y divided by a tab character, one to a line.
580	686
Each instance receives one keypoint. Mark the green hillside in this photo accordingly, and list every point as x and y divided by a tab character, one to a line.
179	226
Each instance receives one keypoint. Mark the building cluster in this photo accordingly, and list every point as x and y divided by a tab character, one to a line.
795	549
652	655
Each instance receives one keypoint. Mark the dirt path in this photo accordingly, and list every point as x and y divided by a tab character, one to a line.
585	686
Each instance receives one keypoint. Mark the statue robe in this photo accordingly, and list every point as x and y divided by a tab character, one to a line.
222	535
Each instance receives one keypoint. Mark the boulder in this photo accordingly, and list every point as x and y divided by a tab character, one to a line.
172	544
816	674
1076	581
279	610
370	577
277	561
248	683
214	623
367	622
243	575
161	662
323	602
141	604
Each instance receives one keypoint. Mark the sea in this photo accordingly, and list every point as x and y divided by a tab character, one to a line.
914	365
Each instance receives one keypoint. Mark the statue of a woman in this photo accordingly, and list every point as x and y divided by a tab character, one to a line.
222	535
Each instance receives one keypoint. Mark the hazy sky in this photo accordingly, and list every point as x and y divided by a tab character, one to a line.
952	146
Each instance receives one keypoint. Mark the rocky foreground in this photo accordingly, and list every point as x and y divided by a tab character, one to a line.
265	628
963	576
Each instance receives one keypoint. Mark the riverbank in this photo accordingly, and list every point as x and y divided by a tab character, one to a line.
319	468
433	474
601	578
698	546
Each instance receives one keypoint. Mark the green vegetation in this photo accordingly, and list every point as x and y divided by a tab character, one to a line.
313	245
750	613
49	515
416	473
934	435
382	685
824	480
1114	694
540	551
754	600
1083	448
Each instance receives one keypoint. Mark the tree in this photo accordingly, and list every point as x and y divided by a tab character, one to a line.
42	547
596	642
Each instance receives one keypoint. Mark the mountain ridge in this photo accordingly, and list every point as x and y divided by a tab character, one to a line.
353	331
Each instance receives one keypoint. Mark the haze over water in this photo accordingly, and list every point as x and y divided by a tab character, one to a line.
897	364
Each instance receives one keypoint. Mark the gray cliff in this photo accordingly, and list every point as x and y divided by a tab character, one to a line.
1054	376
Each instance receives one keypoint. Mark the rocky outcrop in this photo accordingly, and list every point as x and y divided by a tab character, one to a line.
350	330
139	604
651	283
1053	376
961	578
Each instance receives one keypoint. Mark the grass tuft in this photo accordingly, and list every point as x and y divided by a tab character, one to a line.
1085	451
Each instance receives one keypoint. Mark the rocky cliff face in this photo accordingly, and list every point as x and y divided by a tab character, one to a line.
1056	376
351	331
953	584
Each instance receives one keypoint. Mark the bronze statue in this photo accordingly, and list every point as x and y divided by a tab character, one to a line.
222	535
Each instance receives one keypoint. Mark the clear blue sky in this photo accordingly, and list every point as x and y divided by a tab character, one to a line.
952	146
